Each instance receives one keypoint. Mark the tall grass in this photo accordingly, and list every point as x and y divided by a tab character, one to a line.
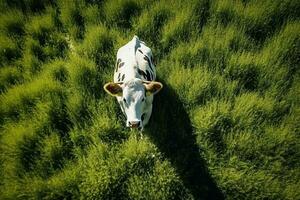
225	125
120	13
13	23
9	51
72	18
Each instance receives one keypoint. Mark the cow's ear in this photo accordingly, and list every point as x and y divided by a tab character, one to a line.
113	89
153	87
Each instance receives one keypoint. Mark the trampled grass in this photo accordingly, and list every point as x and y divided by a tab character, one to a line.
225	125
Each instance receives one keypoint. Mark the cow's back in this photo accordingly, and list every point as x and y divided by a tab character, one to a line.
134	60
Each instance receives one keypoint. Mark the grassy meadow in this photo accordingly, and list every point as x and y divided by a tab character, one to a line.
225	126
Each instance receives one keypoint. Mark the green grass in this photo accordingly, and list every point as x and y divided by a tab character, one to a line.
225	125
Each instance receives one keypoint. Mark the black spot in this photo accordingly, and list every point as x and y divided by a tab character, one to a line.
121	64
123	77
119	77
142	73
140	51
149	63
146	58
148	75
117	63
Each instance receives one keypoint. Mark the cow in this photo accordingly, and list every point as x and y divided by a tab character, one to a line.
134	82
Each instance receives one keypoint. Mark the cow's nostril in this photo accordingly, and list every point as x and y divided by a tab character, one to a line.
134	124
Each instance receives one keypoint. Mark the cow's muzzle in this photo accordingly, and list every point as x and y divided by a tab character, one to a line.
134	124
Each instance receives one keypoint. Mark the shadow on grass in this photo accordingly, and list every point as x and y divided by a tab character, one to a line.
170	129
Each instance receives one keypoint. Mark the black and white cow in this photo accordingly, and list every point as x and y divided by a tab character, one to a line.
134	84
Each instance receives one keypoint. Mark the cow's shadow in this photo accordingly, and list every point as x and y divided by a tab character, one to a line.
171	131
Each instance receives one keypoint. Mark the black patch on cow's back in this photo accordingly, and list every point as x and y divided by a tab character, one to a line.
140	51
117	63
121	64
142	73
149	63
148	75
123	77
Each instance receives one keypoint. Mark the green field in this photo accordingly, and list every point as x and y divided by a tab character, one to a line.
225	126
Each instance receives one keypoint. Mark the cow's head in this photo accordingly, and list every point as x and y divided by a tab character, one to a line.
132	96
